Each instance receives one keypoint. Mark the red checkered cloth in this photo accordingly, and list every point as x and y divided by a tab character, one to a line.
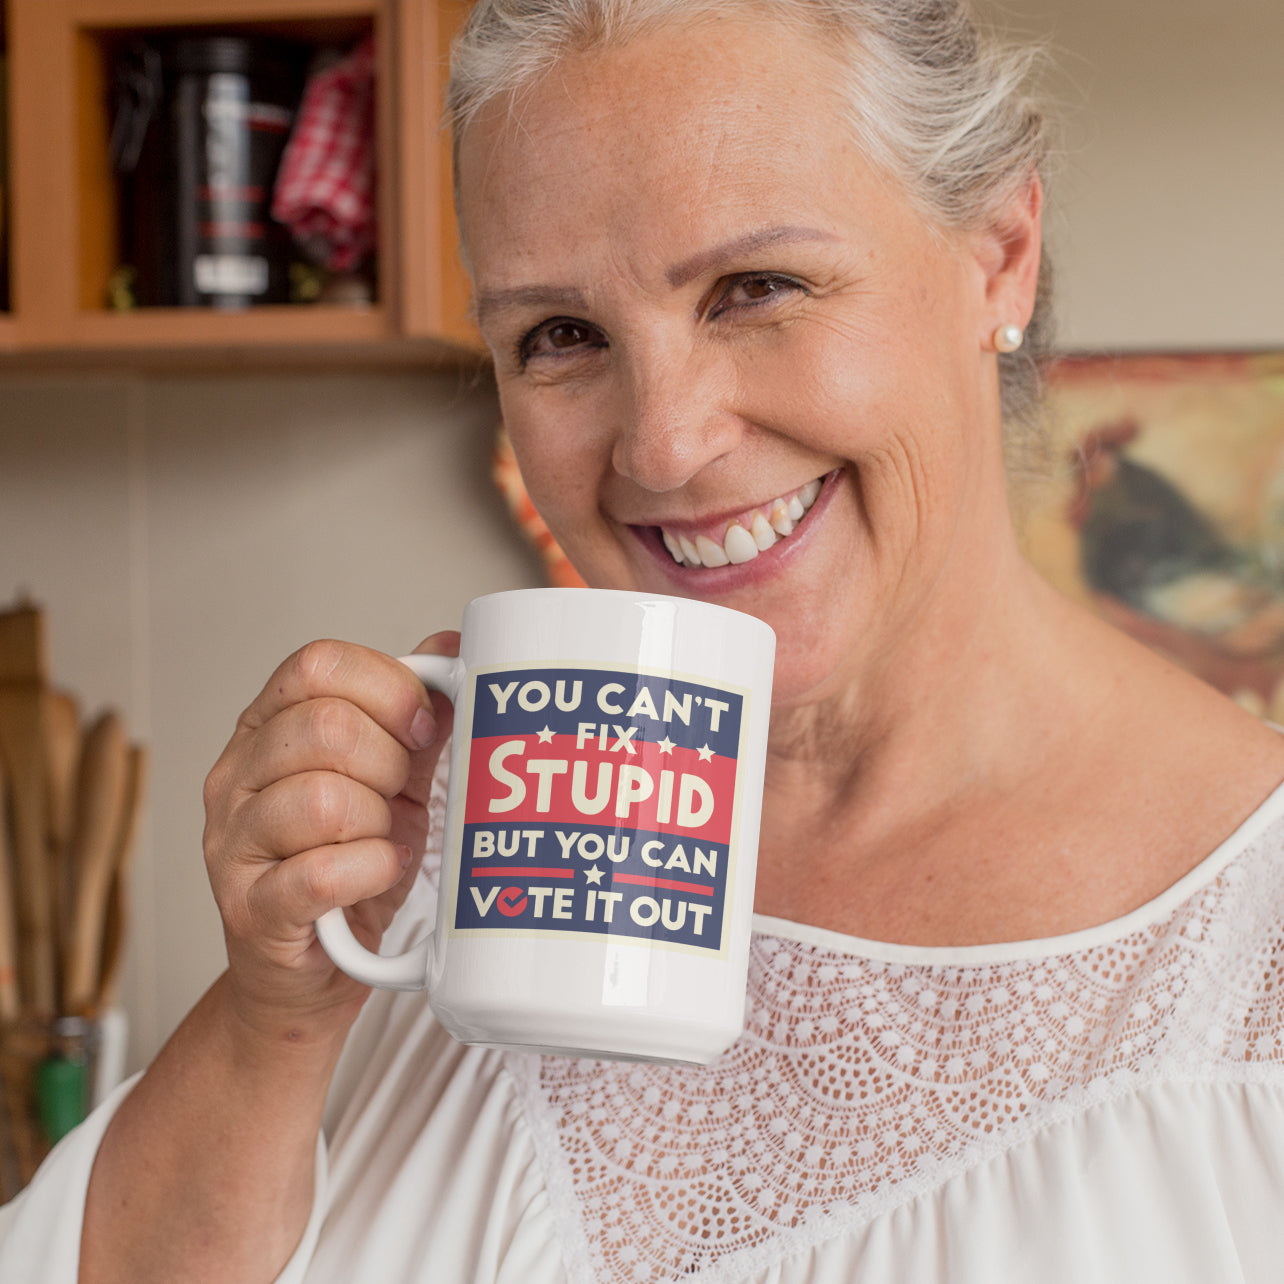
325	186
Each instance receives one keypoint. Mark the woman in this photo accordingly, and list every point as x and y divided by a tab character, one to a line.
1011	1011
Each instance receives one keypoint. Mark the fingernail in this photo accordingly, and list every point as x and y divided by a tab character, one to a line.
404	855
422	729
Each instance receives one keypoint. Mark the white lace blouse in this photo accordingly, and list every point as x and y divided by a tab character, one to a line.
1107	1106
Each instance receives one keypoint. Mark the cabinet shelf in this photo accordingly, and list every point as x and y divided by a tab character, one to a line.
269	323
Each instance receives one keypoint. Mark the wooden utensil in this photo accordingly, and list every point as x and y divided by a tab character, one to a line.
62	747
116	915
23	750
101	801
115	928
16	1152
10	1004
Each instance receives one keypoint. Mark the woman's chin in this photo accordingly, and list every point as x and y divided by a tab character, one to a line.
808	670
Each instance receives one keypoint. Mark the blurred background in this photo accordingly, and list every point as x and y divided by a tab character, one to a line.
185	529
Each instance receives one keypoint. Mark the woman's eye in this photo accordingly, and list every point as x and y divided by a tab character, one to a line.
559	336
753	291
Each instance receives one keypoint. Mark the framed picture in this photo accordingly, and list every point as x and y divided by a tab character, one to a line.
1165	511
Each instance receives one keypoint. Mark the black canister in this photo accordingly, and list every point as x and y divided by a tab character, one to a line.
201	124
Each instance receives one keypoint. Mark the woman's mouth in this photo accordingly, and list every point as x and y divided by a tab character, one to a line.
742	538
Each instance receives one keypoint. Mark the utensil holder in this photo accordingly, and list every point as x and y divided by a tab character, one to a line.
48	1070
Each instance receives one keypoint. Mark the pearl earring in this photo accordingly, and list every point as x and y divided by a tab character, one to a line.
1008	338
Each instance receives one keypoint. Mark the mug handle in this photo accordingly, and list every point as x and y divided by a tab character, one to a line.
408	971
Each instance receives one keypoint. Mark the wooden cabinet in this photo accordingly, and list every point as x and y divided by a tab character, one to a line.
7	333
63	200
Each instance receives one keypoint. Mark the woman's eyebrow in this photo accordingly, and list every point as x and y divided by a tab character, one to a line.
557	297
682	273
570	299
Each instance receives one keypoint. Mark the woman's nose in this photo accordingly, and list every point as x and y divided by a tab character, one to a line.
676	418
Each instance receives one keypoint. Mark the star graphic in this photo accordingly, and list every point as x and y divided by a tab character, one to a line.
705	753
545	736
593	875
665	745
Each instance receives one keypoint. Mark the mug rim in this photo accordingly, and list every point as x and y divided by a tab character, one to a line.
553	591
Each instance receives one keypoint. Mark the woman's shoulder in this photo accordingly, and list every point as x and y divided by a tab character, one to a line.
1163	786
1189	983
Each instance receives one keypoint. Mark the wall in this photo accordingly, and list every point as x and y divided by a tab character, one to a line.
186	534
1169	189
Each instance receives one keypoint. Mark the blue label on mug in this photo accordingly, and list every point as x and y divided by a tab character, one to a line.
600	801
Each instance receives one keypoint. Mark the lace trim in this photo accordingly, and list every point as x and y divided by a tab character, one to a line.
862	1083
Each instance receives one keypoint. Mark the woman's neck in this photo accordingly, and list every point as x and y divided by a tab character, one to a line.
879	780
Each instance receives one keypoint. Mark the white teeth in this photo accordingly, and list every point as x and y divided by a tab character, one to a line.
710	553
739	544
762	533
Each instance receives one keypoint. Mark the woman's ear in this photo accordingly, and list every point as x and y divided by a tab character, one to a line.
1008	252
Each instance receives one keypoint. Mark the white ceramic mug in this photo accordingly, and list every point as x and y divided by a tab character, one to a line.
601	831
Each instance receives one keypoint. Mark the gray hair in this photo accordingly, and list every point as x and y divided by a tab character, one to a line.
944	108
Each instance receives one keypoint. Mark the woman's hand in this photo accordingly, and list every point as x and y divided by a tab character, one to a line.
319	800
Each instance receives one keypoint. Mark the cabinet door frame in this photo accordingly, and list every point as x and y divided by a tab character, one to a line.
437	298
63	204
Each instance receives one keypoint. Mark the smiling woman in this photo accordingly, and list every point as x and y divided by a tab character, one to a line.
688	292
947	112
756	277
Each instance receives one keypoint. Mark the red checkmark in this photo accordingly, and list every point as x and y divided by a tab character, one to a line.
512	901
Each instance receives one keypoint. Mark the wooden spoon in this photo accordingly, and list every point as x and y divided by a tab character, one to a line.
23	751
18	1151
101	800
63	751
10	1003
62	748
116	914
